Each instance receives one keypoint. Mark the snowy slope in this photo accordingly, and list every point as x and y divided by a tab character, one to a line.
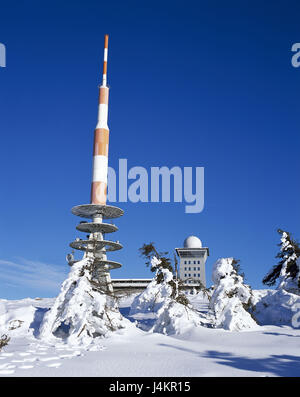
267	351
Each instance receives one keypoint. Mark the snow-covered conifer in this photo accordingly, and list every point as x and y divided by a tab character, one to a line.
81	311
287	271
163	285
231	298
175	318
157	291
174	313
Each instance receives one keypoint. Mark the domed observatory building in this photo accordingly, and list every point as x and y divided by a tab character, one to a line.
192	261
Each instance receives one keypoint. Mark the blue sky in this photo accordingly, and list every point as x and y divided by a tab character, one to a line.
193	83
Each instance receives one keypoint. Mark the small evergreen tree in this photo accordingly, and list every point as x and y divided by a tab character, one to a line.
4	341
173	313
230	305
149	251
84	309
287	270
237	267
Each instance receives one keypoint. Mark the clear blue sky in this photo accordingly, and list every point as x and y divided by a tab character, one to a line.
193	83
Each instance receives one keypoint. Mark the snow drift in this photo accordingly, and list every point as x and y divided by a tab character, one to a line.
276	307
22	317
174	318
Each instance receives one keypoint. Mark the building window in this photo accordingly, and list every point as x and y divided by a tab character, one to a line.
189	275
199	275
189	268
195	262
198	268
185	275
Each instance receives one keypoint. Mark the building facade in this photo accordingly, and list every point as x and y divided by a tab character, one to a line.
192	261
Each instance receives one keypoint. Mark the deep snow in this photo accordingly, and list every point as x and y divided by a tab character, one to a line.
266	351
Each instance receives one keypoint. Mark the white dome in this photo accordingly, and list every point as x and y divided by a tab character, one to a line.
192	242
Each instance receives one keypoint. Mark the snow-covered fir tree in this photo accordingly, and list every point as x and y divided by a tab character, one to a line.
82	311
231	299
174	313
287	271
174	318
162	286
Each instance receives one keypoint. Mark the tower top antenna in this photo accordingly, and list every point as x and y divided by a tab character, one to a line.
104	76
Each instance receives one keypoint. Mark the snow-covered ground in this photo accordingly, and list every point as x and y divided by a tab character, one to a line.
265	351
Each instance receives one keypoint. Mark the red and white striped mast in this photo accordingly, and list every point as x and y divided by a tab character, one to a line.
96	246
101	140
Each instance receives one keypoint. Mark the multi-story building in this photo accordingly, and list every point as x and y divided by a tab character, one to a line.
192	261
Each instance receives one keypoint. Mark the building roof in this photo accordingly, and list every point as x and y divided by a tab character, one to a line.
192	242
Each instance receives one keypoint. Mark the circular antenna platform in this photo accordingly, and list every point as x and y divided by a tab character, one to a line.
92	210
90	227
107	265
91	245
